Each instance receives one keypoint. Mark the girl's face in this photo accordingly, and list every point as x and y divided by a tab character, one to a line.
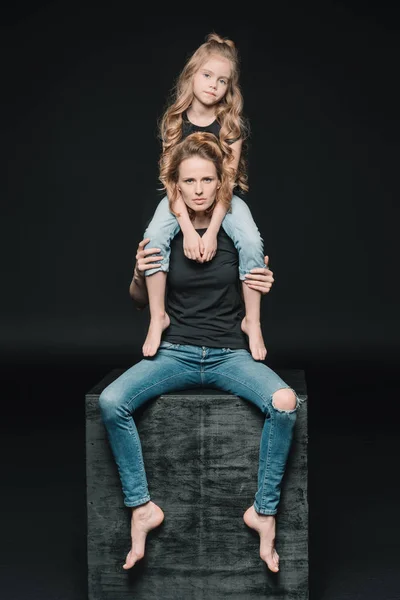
211	81
198	183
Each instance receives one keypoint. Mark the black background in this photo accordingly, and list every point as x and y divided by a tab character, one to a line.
83	87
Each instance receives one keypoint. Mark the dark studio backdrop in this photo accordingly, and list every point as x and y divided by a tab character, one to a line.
83	88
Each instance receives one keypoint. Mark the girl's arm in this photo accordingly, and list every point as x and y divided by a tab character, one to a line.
192	241
209	239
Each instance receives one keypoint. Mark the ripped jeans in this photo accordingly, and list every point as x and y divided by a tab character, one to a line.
178	367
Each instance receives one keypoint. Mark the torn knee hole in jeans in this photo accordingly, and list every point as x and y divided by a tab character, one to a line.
285	410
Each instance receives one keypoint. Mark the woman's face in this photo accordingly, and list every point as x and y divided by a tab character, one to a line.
211	81
198	183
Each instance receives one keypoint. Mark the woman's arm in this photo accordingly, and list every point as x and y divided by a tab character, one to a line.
260	279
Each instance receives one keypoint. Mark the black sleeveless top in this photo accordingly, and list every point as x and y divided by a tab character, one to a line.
188	127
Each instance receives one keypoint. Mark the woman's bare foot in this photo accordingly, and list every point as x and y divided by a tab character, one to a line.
144	518
265	526
153	338
256	341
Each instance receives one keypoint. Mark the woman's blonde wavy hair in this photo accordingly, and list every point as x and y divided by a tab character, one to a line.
203	145
228	111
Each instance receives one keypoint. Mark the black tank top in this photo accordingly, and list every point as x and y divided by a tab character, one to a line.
188	127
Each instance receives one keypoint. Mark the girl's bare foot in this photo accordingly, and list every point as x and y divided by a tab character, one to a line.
265	526
144	518
256	341
153	338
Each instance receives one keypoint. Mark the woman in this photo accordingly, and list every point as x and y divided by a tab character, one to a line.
204	345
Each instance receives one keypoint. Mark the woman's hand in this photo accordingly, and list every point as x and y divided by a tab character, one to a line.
260	279
210	246
193	246
144	260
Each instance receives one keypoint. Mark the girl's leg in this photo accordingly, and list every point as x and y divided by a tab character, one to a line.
251	324
118	402
162	228
239	374
241	228
159	319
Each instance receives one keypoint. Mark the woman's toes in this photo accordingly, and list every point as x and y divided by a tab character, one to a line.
272	561
129	562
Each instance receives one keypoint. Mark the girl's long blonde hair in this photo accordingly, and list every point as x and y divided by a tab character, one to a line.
228	112
203	145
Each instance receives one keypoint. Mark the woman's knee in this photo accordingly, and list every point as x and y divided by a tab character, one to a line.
109	404
284	400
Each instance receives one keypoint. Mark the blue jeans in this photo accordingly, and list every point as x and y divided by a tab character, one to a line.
238	224
178	367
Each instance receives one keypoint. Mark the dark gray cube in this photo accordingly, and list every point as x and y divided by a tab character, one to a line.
200	449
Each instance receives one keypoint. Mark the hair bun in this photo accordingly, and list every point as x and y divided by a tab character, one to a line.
214	37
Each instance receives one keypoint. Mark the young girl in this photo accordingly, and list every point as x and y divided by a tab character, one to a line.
207	98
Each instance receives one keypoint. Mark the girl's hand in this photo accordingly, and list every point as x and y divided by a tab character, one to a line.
144	261
193	246
210	246
260	279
